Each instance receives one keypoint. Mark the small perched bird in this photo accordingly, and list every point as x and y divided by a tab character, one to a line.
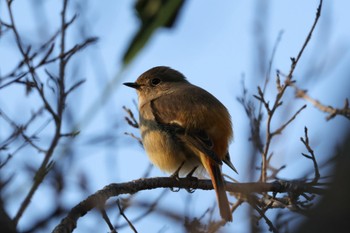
183	127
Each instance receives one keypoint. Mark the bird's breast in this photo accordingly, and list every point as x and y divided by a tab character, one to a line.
165	151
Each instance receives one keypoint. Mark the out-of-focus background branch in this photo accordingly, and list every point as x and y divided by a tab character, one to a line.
63	135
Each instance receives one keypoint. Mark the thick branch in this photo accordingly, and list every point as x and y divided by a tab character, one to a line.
69	223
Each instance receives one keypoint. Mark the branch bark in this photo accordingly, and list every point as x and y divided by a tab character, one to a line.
98	199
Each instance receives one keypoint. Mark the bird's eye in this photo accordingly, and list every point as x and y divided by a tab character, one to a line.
155	81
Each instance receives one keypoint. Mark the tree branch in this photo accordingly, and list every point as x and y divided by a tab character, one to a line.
69	223
345	111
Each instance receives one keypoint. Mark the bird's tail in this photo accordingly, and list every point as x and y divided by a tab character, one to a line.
219	186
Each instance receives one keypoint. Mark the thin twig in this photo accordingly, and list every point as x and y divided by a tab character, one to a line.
131	120
46	163
107	220
267	220
135	137
282	127
216	226
126	218
277	103
150	208
305	141
268	73
255	119
345	111
296	60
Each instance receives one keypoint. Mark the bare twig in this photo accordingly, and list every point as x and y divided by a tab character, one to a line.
251	199
45	61
106	218
26	60
274	171
268	74
214	227
75	86
282	127
19	130
33	82
345	111
296	60
46	163
311	156
278	100
126	218
131	120
135	137
48	44
255	119
267	220
150	208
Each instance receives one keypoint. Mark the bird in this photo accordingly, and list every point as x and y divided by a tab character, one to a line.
184	127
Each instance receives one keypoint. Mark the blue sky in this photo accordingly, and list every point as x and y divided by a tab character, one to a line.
213	44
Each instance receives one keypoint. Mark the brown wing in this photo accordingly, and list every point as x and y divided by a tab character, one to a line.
197	117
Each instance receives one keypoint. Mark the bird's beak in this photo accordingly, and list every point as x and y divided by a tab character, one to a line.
133	85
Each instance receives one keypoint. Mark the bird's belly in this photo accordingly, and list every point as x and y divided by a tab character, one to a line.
167	154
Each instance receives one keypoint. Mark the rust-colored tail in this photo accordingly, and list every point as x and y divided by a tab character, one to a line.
219	186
